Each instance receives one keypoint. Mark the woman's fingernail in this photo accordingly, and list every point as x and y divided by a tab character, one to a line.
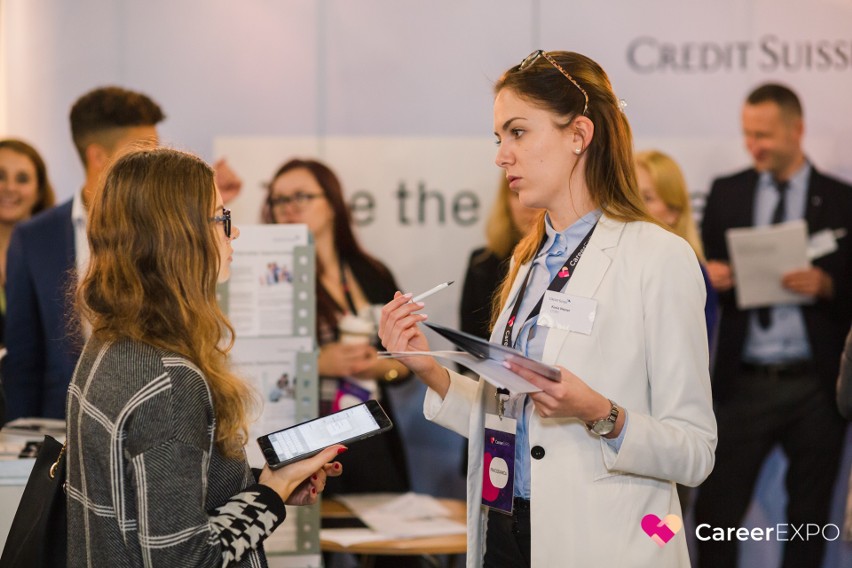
407	296
314	476
336	465
419	304
341	450
313	490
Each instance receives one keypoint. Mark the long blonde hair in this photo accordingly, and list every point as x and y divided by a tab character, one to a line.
153	271
501	232
670	185
610	174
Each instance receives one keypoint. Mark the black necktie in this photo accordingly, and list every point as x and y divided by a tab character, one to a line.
780	209
764	315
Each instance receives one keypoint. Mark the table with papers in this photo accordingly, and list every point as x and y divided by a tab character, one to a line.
406	524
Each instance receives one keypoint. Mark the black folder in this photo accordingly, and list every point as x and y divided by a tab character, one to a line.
482	349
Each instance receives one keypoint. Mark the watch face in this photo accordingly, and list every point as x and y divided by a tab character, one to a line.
603	427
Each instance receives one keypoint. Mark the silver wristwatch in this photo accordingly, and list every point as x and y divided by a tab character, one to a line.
605	425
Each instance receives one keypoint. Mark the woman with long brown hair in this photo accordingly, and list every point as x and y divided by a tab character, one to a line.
157	422
24	191
350	284
585	471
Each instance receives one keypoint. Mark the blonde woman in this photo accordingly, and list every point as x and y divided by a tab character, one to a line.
507	224
666	196
157	474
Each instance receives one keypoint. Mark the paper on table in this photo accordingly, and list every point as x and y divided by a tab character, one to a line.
404	505
760	256
35	427
390	525
349	537
409	515
491	370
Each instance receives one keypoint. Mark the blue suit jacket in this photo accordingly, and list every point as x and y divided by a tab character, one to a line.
43	342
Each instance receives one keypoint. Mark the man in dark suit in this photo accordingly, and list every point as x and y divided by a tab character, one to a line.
776	367
44	335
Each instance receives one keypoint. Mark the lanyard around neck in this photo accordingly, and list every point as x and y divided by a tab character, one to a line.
346	292
558	283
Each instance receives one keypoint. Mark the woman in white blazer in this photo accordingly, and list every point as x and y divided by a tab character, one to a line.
597	453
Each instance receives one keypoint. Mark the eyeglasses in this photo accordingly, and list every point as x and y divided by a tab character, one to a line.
225	219
533	57
300	199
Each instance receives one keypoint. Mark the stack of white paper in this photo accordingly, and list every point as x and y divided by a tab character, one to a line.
394	516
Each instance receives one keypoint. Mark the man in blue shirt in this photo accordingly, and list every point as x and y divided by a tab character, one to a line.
776	366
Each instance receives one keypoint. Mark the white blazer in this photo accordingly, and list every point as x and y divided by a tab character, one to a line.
648	352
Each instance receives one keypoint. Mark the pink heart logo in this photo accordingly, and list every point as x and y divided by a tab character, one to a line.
563	273
661	531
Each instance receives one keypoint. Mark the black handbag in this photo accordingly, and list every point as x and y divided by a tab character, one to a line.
38	536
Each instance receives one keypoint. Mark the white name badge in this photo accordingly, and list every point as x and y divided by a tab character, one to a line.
823	243
566	312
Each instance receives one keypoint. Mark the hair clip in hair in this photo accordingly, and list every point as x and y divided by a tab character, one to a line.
622	104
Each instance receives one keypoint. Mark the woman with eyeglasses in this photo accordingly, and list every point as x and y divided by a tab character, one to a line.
350	285
583	471
157	421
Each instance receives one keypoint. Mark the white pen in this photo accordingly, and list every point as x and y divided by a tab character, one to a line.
428	293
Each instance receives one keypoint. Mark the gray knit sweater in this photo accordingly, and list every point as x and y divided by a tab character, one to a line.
146	484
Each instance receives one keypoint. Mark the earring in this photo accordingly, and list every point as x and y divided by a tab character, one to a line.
578	150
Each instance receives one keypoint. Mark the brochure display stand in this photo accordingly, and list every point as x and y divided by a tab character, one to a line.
270	300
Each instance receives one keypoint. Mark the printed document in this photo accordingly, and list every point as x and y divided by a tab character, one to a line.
760	256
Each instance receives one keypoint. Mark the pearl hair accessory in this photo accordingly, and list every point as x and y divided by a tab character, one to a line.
622	104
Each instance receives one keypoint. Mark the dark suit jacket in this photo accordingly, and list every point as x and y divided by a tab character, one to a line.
829	206
42	350
844	381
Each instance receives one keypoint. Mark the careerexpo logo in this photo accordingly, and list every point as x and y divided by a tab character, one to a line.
782	532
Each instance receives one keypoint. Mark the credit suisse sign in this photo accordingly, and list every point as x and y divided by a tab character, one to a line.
769	53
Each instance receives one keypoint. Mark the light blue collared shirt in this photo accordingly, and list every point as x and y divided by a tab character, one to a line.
530	338
786	339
